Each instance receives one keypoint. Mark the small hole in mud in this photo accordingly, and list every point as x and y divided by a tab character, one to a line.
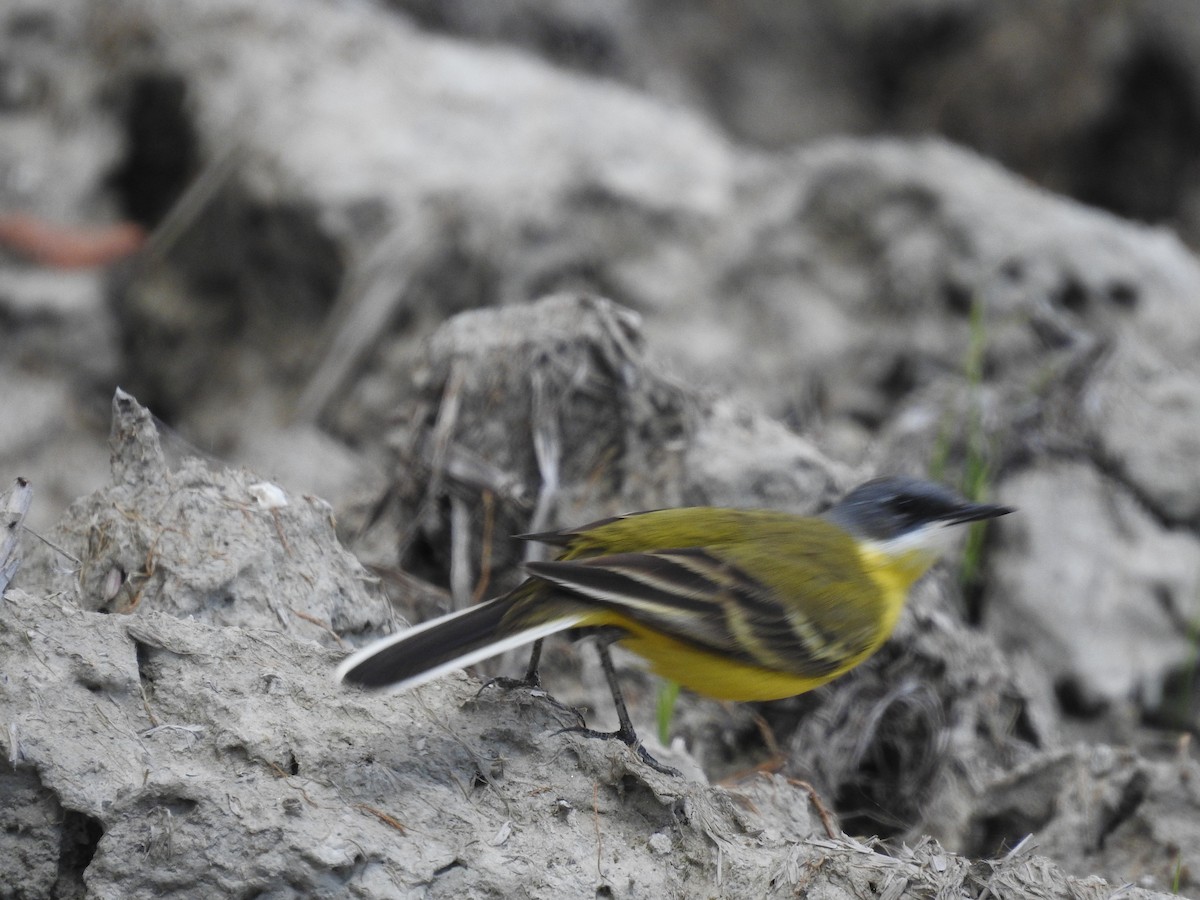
1123	294
1012	270
162	155
449	867
178	806
899	379
81	835
957	299
1074	701
1072	296
144	653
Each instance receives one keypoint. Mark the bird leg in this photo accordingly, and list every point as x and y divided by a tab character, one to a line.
532	682
531	679
625	732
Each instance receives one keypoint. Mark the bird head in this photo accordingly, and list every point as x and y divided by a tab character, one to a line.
899	514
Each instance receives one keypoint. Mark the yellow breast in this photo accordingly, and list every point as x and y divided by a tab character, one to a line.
894	574
716	676
725	678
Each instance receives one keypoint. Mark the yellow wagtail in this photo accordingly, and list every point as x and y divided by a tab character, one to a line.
735	604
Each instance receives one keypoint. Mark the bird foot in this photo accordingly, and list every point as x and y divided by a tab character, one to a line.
630	739
533	684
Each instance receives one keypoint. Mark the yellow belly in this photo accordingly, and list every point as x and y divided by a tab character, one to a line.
716	676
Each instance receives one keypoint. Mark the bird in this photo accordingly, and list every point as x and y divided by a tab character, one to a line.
735	604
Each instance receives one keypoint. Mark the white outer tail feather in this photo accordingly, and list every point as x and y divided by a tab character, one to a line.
509	642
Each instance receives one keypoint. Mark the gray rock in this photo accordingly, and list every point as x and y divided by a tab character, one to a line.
222	547
197	760
1098	808
1092	586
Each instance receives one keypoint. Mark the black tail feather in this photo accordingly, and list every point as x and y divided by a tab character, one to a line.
410	654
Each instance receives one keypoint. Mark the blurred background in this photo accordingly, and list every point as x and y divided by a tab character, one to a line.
950	237
114	127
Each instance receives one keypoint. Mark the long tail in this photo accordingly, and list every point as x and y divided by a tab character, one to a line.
430	650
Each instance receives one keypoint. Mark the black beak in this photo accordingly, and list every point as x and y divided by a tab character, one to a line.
975	512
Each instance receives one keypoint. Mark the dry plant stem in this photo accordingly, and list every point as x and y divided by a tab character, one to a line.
69	246
374	289
819	805
15	504
383	817
778	756
547	450
485	548
596	825
460	550
195	199
774	763
443	431
322	625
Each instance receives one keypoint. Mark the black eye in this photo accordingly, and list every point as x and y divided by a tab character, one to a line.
910	509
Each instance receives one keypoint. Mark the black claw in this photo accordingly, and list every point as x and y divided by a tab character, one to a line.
511	684
534	686
532	680
630	740
655	764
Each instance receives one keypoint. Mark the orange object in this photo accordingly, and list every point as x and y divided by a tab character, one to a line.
69	247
